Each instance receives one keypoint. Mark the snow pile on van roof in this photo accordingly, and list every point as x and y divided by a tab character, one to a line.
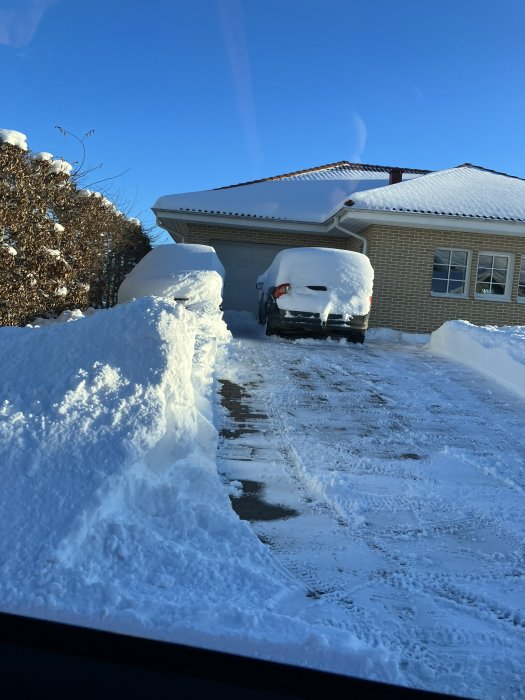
188	272
347	275
496	351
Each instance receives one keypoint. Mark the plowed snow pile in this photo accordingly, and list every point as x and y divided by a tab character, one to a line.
112	511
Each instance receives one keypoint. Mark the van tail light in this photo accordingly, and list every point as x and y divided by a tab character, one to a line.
280	290
371	300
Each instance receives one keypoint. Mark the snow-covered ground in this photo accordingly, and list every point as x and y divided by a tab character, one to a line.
406	472
404	562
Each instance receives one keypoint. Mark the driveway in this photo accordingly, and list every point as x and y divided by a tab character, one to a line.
391	482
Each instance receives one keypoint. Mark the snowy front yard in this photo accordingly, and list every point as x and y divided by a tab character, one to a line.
404	562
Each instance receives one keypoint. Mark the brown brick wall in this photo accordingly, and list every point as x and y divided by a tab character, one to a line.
203	234
403	260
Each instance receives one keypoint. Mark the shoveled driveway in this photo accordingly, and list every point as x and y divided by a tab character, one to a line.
392	483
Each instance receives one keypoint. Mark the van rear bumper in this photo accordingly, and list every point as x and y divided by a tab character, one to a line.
296	322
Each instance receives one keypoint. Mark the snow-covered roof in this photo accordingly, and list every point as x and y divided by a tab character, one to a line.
289	200
468	191
345	170
312	195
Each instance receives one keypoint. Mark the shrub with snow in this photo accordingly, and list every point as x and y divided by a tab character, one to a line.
59	250
14	138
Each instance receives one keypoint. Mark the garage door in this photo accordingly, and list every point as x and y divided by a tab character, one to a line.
243	263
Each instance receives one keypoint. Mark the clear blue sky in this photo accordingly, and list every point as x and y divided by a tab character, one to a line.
197	94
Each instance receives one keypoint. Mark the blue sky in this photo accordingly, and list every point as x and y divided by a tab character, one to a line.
195	95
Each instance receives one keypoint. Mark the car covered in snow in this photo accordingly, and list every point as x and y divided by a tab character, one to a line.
317	291
189	273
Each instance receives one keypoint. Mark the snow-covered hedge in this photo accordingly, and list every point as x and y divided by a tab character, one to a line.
58	250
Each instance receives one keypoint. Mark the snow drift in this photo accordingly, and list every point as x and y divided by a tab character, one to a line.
496	351
112	511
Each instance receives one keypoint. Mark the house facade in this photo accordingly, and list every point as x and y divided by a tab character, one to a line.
444	245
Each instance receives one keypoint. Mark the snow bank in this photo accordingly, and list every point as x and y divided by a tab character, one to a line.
347	275
188	272
389	335
15	138
112	512
496	351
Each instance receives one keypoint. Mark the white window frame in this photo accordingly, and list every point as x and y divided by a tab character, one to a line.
450	295
508	282
521	299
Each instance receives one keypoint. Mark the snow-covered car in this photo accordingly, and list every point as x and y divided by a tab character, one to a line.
317	291
189	273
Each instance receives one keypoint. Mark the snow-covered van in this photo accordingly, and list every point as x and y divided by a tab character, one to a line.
317	291
185	272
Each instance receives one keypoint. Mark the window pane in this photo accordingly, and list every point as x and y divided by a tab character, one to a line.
442	257
498	289
450	271
459	257
522	272
456	287
441	271
485	261
439	286
483	288
521	288
499	276
484	273
457	273
501	262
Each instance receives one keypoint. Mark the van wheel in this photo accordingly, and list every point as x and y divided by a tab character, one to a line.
356	337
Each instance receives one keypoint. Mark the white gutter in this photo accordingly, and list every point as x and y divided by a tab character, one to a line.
243	221
434	221
337	225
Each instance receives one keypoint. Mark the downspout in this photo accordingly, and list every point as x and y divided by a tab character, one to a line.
337	225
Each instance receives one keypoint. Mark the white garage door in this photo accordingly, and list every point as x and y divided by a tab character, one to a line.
243	263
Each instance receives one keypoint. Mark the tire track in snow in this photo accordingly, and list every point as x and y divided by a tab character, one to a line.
437	567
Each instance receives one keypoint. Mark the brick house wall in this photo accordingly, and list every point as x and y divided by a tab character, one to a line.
204	234
403	260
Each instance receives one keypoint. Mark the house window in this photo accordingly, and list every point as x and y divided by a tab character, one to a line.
450	273
521	283
494	276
